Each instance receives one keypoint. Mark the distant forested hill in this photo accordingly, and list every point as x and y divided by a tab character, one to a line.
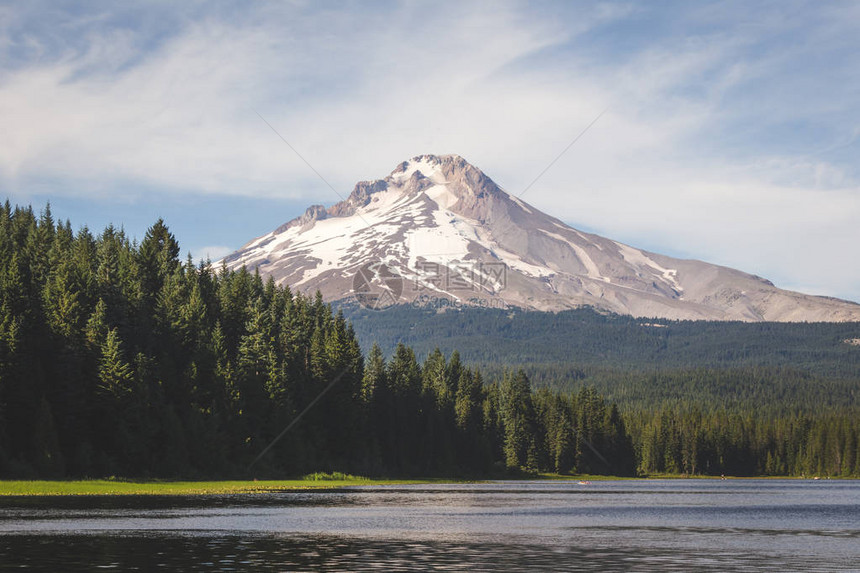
589	338
639	362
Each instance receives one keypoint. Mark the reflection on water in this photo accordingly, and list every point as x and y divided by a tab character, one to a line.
314	553
760	525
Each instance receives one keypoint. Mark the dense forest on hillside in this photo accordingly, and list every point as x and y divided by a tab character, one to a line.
771	391
118	358
486	335
640	364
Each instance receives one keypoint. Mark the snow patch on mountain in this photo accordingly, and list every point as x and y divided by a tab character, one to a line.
591	268
640	260
442	196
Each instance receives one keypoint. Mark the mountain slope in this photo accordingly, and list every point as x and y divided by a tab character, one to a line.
437	230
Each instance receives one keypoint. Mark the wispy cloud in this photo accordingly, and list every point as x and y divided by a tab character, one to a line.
731	133
210	253
184	115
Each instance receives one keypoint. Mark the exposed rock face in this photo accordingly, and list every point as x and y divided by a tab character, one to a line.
312	214
451	233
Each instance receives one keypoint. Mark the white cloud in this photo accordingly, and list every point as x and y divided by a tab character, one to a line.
185	117
212	253
691	156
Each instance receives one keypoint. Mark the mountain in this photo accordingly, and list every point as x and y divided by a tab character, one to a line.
438	231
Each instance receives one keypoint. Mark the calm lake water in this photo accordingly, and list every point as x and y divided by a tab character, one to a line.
649	525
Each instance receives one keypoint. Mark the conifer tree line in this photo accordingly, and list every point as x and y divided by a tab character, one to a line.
118	358
685	440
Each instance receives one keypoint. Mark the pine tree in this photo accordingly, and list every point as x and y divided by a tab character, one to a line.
374	374
518	419
435	378
115	374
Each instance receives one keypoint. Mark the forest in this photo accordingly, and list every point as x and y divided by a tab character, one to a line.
590	340
118	358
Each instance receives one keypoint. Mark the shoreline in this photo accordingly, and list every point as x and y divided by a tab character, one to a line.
121	487
132	487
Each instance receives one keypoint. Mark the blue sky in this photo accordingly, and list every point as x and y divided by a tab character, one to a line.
730	131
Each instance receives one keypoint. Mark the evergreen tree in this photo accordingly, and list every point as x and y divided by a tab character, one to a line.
518	419
115	374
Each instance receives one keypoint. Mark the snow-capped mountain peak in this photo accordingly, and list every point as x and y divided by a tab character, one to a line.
429	166
444	231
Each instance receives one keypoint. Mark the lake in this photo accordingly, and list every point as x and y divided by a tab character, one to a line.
637	525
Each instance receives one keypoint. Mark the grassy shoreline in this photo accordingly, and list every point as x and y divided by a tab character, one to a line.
119	487
111	487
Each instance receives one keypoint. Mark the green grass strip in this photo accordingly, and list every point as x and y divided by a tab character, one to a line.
133	487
